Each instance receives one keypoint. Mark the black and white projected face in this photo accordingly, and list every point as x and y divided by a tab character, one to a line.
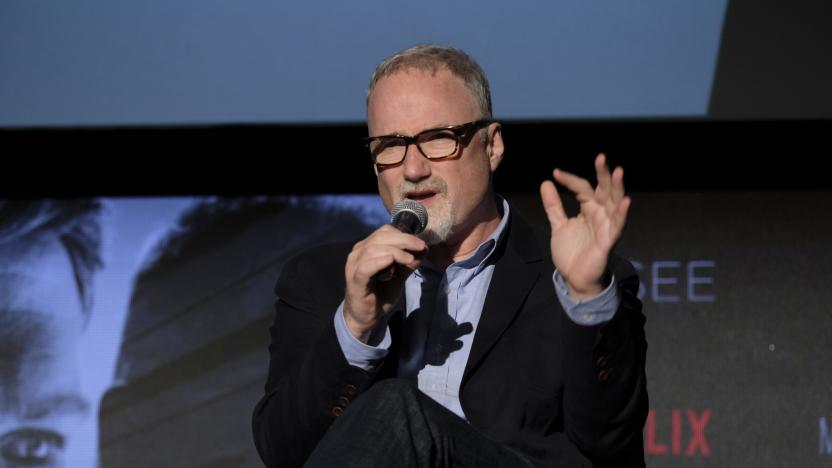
46	418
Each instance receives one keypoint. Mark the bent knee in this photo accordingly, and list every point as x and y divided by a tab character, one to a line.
399	391
394	386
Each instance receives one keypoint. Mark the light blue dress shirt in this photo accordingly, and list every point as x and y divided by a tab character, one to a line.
443	311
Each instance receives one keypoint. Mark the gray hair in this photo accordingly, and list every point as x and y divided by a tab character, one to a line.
432	58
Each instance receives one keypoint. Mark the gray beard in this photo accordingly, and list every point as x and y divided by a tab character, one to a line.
438	233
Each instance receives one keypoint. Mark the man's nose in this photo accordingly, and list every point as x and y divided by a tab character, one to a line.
416	165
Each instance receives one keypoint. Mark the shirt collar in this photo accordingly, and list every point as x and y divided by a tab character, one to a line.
479	259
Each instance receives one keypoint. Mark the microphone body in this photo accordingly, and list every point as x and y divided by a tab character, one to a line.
408	216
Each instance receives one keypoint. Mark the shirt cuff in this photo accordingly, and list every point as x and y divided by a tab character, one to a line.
357	353
594	311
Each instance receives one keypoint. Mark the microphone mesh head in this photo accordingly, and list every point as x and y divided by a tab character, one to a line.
414	207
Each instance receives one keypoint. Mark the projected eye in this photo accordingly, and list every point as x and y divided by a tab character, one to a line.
31	447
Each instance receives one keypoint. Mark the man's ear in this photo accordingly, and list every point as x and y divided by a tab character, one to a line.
494	145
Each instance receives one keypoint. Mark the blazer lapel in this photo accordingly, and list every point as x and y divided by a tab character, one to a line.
511	283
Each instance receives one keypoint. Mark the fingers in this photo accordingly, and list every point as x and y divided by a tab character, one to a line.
579	186
552	204
382	248
607	201
610	192
617	186
610	185
377	258
602	172
621	212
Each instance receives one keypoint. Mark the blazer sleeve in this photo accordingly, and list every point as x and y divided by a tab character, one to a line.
605	389
309	379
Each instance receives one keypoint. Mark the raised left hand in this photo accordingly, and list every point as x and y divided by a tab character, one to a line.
581	245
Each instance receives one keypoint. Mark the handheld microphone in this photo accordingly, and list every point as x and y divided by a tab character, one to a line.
407	216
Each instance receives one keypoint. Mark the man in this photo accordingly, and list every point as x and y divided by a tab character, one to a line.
477	353
49	252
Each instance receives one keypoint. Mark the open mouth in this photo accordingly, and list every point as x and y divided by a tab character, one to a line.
424	196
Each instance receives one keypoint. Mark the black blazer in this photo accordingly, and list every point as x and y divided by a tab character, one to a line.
561	393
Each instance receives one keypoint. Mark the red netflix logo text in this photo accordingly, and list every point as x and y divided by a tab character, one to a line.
689	423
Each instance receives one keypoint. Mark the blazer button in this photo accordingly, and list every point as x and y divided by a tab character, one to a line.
603	375
337	410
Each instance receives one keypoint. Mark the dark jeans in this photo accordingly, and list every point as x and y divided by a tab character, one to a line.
393	424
